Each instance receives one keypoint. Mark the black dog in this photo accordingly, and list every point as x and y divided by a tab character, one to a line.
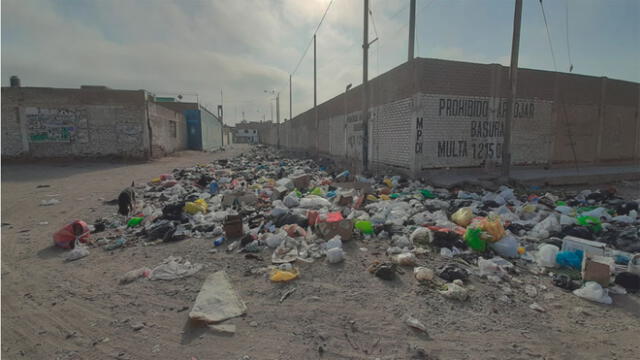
127	200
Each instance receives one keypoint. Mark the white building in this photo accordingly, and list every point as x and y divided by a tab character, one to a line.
246	136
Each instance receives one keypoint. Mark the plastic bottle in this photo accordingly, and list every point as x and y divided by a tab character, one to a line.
218	241
335	242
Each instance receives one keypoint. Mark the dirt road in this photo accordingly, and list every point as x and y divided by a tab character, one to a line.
57	310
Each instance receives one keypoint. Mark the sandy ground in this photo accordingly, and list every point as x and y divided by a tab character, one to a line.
57	310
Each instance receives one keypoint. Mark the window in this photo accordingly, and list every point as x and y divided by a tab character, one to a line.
173	129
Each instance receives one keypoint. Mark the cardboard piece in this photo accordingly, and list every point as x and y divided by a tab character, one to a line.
343	228
232	226
217	300
301	182
597	268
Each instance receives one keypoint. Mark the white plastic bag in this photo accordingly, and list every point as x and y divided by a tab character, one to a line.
547	255
291	200
543	229
78	252
594	292
335	255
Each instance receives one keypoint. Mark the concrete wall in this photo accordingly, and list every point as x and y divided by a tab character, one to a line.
432	113
48	122
168	130
211	128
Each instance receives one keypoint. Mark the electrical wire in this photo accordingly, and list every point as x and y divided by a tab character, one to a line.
562	101
568	43
311	41
546	24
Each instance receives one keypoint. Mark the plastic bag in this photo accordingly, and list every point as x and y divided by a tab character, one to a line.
547	255
366	227
463	216
594	292
571	259
474	240
172	269
493	226
455	291
405	259
591	222
78	252
135	221
421	237
335	255
314	202
278	275
291	200
196	206
423	273
66	237
543	229
507	246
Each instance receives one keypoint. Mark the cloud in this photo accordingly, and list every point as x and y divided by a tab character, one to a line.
247	46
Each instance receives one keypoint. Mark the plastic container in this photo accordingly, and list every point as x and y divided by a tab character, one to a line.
213	187
218	241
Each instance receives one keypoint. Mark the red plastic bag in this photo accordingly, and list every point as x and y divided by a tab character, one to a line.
334	217
66	237
312	217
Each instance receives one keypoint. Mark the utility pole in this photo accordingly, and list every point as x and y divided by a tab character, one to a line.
315	98
278	119
513	77
365	89
412	28
290	116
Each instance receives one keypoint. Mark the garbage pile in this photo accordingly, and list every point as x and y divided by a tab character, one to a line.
293	211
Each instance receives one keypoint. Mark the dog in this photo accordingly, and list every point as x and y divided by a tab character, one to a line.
127	200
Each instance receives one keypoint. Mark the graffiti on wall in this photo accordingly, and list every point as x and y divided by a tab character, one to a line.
465	131
59	125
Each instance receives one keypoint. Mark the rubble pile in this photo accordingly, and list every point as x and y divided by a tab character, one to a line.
298	210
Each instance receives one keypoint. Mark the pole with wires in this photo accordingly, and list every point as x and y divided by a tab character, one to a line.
513	77
315	98
412	28
365	89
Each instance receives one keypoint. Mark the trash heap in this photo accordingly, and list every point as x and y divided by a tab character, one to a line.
294	211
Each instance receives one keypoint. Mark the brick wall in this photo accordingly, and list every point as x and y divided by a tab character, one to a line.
168	130
563	118
47	122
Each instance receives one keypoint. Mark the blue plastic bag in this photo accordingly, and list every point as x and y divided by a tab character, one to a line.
572	259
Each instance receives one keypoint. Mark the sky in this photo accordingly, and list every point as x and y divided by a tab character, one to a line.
198	48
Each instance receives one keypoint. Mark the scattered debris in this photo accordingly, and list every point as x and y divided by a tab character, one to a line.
217	300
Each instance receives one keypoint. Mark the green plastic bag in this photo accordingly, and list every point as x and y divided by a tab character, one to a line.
366	227
317	191
427	194
561	203
394	196
134	221
591	222
473	238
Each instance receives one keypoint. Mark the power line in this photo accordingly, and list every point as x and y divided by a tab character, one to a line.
311	41
553	56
